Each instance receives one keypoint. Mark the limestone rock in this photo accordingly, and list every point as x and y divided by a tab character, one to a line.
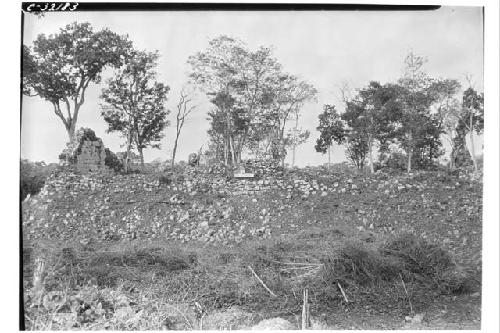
274	324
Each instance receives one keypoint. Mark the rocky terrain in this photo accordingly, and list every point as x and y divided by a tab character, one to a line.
208	216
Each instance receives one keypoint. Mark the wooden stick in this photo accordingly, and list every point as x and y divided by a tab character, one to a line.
38	277
262	282
343	293
406	291
305	310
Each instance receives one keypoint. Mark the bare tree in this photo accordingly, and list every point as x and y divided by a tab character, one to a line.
184	108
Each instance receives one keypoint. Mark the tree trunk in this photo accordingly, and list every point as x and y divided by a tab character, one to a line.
228	138
281	152
472	148
473	151
409	152
329	159
127	160
295	146
72	125
142	157
231	147
174	151
370	154
408	166
71	132
452	159
225	150
127	155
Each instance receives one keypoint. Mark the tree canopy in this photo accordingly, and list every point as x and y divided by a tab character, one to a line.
135	102
60	67
252	96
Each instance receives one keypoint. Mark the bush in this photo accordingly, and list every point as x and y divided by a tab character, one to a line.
166	179
430	262
112	161
356	264
419	256
33	176
394	161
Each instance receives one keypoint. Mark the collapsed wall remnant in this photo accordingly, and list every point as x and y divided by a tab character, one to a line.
85	152
134	160
194	159
264	167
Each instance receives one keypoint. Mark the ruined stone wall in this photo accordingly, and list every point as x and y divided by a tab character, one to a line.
91	157
85	152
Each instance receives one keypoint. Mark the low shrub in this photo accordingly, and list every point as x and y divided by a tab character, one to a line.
355	263
33	176
431	263
112	161
166	179
144	258
419	256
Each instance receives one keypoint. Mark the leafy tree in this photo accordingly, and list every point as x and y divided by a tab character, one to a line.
459	119
367	117
429	146
217	71
447	108
295	137
471	118
216	145
33	176
289	94
60	67
331	129
357	149
252	95
416	97
134	103
29	68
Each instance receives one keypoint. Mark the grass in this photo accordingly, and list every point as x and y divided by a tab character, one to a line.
167	286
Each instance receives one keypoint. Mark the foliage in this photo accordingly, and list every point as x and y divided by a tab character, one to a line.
357	149
296	136
417	92
253	97
134	102
447	108
369	119
331	129
60	67
33	176
112	161
473	110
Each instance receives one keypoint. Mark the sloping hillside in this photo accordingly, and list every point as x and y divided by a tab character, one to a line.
123	229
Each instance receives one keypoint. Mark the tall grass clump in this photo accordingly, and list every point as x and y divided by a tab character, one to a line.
429	263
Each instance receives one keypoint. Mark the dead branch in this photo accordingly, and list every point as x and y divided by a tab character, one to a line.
262	282
343	293
406	292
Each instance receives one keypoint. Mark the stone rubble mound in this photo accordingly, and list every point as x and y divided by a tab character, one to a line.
194	205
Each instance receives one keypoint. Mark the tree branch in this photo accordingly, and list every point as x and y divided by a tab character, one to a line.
57	111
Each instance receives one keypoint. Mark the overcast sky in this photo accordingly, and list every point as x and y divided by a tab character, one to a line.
325	48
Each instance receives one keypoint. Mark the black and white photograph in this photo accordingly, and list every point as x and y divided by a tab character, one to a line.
224	166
